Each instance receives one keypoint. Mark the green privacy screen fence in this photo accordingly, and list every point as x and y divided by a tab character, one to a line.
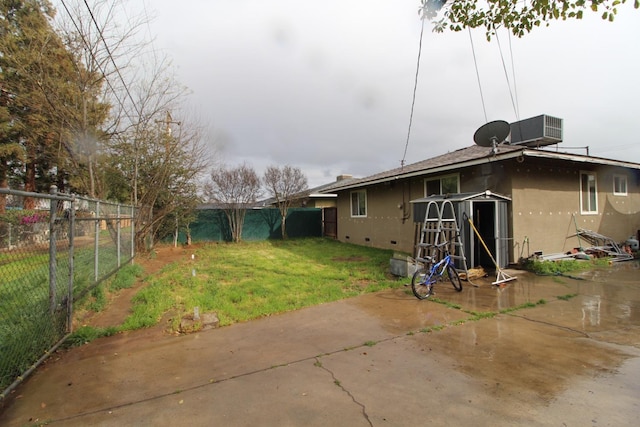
259	224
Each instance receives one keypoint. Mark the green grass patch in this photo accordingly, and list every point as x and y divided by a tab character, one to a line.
248	280
97	297
97	300
433	328
482	315
522	306
560	267
126	277
447	303
87	334
566	297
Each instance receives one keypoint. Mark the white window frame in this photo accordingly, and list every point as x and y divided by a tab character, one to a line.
620	190
360	194
440	178
591	210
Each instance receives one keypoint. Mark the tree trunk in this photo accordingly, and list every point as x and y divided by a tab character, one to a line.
4	183
30	185
284	226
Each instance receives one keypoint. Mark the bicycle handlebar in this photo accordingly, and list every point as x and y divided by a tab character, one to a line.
440	245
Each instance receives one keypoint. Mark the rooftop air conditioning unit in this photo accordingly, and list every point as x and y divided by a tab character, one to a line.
537	131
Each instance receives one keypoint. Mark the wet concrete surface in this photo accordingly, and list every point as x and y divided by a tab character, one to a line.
379	359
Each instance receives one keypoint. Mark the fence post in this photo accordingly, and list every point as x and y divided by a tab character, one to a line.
72	237
53	208
96	243
133	231
118	233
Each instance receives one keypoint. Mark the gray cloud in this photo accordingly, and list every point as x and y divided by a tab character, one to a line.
327	86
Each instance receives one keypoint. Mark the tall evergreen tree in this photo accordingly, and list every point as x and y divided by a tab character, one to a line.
37	74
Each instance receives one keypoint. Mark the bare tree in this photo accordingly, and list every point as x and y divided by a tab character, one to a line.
236	189
105	52
285	185
150	151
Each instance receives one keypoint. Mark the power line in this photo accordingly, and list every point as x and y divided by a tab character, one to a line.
513	73
88	47
475	62
126	88
506	74
413	100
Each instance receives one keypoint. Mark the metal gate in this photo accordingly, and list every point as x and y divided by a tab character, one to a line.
330	222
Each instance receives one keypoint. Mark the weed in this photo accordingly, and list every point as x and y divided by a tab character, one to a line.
522	306
566	297
370	343
86	334
560	267
447	303
432	328
126	277
98	299
482	315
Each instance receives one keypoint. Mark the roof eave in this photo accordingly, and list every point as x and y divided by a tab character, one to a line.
435	170
488	159
579	158
322	195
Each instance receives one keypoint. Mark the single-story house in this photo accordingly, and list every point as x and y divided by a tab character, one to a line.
522	197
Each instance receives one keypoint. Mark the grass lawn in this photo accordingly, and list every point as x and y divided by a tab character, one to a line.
248	280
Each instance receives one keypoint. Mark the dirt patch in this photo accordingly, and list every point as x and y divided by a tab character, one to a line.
119	304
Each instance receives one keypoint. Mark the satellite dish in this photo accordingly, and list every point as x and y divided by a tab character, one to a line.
492	134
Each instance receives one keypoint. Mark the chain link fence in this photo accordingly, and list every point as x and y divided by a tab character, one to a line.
52	254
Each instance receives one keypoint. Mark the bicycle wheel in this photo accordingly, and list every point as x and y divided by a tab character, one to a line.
454	277
420	283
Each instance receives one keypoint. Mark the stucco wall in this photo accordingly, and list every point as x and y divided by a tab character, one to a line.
383	227
545	197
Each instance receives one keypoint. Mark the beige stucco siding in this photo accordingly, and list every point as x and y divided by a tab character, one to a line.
546	207
384	226
545	199
491	175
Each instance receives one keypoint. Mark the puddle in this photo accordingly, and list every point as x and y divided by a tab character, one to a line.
625	272
591	301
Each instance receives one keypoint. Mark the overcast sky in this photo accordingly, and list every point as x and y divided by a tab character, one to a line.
327	86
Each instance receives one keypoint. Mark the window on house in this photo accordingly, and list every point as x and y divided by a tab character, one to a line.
359	203
620	185
449	184
588	192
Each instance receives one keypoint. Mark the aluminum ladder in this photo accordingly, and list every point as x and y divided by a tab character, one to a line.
440	225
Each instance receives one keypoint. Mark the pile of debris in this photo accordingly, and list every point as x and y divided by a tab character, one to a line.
601	247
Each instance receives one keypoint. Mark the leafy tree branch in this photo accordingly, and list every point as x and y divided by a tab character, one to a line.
519	17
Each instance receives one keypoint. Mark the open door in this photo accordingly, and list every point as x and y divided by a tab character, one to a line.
489	213
484	219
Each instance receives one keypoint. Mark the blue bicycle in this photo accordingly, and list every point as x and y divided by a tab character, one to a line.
424	278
